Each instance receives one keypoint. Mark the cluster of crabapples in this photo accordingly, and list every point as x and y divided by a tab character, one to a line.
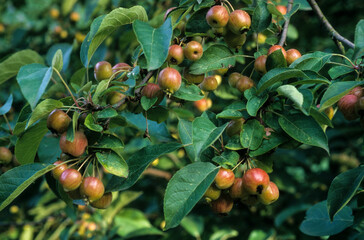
89	188
352	105
252	188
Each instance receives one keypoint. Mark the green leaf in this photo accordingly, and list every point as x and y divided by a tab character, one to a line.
107	113
185	134
57	60
33	80
310	78
318	223
27	144
24	115
339	71
359	40
138	163
277	75
132	223
7	105
304	129
194	225
294	95
224	234
214	57
108	142
197	22
342	189
78	79
320	117
101	87
228	159
148	102
289	212
336	91
10	67
154	41
113	163
261	17
189	92
230	114
185	189
92	125
273	141
252	134
255	103
311	61
276	60
116	18
16	180
204	134
234	143
43	109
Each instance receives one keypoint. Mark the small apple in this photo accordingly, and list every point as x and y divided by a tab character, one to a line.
70	179
224	178
217	16
92	188
193	51
75	148
269	195
255	181
58	121
103	202
170	80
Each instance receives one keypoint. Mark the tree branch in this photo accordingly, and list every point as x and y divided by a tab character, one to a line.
328	26
286	24
157	173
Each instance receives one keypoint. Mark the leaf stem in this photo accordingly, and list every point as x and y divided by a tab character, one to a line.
65	84
7	122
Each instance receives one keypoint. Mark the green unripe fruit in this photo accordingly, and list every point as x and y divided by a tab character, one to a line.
103	202
209	84
212	193
234	78
5	155
234	127
191	78
58	121
103	70
234	40
244	83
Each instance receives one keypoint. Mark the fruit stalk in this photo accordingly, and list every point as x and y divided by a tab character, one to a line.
65	84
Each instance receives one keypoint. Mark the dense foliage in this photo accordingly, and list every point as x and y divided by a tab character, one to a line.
181	119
